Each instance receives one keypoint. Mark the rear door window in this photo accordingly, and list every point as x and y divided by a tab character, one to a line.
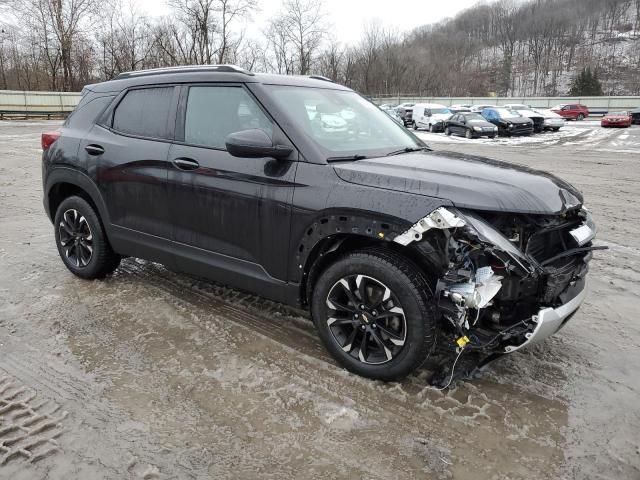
145	112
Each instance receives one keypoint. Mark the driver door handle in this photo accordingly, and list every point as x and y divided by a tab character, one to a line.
185	163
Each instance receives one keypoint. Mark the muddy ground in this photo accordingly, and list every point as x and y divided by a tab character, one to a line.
151	374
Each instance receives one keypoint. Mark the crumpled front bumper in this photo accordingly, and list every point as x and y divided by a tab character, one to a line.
549	320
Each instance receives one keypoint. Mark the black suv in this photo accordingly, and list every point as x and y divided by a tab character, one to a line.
302	191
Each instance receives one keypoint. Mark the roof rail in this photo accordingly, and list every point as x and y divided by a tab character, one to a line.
185	68
320	77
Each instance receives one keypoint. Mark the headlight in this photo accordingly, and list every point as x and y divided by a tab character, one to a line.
477	129
495	129
511	125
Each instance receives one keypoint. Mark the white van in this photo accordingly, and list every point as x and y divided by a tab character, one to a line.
430	116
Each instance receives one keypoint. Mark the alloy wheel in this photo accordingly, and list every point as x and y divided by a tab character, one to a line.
366	319
76	238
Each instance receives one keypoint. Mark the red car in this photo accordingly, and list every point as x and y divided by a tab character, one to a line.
616	119
572	111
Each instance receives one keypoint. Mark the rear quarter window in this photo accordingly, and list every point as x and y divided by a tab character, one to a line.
87	111
144	112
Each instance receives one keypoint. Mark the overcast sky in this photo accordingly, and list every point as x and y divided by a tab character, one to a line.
348	16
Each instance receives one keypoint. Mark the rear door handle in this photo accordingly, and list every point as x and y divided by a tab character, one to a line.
94	149
186	163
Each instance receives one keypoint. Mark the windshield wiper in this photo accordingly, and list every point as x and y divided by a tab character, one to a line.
408	150
346	158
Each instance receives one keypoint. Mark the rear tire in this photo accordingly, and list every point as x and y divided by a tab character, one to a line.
81	240
374	311
580	117
447	132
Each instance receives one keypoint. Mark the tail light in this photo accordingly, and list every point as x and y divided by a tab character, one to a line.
48	138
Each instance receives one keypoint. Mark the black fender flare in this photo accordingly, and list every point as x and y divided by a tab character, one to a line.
79	179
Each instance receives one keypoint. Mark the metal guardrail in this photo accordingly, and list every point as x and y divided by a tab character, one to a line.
18	103
595	104
50	103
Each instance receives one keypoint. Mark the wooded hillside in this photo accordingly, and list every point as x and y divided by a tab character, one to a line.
509	47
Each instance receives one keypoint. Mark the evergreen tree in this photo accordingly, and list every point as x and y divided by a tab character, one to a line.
586	83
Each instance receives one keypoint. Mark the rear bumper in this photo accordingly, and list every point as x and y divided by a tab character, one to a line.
549	320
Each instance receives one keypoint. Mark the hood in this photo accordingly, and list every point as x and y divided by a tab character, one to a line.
530	114
441	116
467	181
615	117
479	123
516	120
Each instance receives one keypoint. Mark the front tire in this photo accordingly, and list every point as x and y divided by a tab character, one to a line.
374	312
468	134
81	240
447	132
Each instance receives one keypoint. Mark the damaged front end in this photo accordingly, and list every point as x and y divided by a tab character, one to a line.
505	280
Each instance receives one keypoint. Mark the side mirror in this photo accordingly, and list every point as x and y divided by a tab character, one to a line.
255	143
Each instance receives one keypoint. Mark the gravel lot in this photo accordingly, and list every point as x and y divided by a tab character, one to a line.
151	374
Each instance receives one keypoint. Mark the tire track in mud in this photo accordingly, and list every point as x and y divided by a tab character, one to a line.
275	321
408	403
29	427
62	389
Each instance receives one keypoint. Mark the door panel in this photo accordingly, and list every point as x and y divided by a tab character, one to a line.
236	207
132	176
132	167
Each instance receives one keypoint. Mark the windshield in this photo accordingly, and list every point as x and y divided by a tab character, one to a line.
435	111
505	113
342	123
619	114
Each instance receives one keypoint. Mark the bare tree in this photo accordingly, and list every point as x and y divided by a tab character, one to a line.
230	11
296	35
59	25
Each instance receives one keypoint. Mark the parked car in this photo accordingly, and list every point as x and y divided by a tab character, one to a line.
508	121
516	106
460	108
620	118
430	116
527	112
635	116
573	111
552	121
471	125
222	173
405	113
388	107
479	108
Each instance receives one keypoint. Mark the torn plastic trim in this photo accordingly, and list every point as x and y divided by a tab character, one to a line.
447	218
586	231
441	218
